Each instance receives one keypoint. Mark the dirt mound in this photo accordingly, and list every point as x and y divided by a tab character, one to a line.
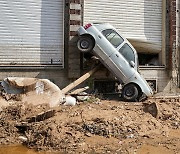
93	126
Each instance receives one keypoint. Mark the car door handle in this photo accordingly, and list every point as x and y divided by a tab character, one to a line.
117	55
99	36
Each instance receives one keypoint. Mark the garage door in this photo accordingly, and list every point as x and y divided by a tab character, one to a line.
138	20
31	32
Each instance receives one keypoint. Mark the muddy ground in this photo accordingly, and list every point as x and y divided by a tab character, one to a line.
94	126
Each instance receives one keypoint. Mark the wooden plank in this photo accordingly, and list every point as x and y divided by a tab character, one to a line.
80	80
77	91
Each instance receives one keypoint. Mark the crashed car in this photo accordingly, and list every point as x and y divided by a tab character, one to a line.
118	55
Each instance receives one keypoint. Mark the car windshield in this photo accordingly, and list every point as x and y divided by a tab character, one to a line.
127	52
113	37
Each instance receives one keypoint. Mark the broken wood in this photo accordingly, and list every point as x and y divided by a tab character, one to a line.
41	116
166	97
78	91
80	80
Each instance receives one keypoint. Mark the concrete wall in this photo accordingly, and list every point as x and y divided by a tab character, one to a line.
159	74
58	76
161	77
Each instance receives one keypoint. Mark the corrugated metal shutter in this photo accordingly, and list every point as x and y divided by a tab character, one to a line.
31	32
138	20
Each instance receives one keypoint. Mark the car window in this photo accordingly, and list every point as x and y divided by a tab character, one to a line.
127	52
113	37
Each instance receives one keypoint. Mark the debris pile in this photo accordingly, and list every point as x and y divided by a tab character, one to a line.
30	91
36	113
93	125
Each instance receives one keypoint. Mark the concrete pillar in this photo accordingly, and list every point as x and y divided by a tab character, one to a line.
178	37
173	61
73	53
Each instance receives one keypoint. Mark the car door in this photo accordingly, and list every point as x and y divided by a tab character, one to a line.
103	48
115	40
121	56
123	60
119	61
106	42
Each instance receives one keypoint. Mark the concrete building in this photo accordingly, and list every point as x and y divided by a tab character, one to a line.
38	38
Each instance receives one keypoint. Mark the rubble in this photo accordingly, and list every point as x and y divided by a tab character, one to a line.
40	91
31	91
111	125
36	113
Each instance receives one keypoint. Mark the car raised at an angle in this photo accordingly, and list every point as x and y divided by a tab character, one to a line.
117	55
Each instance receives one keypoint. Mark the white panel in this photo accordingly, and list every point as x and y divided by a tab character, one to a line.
138	20
75	6
31	32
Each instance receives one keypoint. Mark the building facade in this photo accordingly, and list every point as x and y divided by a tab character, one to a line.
39	37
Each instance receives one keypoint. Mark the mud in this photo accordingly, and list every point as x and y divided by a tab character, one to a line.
94	126
18	149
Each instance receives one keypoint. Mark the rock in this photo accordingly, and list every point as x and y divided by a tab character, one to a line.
88	134
82	98
130	136
23	138
152	109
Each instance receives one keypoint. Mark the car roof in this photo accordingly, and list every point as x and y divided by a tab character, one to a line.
101	26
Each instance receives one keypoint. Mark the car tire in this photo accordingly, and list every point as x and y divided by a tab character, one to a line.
130	92
85	44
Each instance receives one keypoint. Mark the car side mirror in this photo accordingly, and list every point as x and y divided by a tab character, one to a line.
132	64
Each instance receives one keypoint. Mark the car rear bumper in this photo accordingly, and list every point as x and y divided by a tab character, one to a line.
81	31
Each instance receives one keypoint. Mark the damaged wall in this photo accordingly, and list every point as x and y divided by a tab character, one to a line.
57	76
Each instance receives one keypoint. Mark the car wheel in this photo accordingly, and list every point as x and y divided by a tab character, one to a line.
85	44
130	92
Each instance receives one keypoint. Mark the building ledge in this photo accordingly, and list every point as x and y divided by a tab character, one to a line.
14	67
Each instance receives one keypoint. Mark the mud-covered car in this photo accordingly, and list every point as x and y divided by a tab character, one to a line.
117	54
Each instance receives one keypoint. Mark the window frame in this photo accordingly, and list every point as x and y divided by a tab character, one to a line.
134	57
115	34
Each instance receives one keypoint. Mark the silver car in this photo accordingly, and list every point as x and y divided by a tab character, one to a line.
118	55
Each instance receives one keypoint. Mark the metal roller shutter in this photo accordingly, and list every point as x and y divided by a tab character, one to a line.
138	20
31	32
